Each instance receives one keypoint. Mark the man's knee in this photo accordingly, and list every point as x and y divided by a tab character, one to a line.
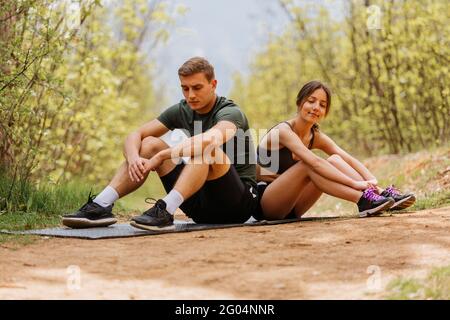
217	170
151	146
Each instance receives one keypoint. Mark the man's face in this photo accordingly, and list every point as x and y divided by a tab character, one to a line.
198	91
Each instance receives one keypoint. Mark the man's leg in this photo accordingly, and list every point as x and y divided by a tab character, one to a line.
191	179
98	211
150	146
199	170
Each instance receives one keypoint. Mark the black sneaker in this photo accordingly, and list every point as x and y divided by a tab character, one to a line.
372	204
155	218
402	201
90	215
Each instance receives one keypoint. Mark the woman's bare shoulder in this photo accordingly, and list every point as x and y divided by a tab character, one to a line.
273	135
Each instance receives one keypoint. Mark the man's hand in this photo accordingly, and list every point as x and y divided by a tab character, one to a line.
153	163
136	168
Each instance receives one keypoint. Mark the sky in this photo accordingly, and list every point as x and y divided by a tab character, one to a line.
226	32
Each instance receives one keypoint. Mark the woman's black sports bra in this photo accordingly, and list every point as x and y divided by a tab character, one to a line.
285	155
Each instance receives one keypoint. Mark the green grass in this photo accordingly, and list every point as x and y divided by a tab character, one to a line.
436	286
26	197
28	206
434	200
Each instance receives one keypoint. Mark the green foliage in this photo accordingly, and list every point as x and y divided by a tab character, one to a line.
436	286
390	85
69	95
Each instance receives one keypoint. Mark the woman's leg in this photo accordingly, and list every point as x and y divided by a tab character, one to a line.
306	199
281	195
311	193
344	167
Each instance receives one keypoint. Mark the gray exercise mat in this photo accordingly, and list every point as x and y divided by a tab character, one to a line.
125	230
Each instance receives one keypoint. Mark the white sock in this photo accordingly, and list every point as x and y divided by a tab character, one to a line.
173	200
107	197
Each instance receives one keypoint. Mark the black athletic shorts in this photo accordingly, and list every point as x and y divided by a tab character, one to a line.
258	214
224	200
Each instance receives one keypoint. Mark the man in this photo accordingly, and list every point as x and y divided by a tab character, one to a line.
216	185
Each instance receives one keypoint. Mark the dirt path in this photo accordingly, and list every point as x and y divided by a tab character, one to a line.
350	259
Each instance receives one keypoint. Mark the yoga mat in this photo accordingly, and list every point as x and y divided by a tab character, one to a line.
124	230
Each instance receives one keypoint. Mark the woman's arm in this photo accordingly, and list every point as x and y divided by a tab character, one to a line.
326	144
291	141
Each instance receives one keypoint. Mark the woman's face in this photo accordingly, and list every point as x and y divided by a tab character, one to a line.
315	106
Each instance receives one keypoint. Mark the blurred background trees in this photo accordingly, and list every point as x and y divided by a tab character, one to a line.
387	63
73	83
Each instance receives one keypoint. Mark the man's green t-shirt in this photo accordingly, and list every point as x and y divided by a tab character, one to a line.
239	149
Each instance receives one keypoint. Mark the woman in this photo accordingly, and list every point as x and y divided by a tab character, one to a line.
292	178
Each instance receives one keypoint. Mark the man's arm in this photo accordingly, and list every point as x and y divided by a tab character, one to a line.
133	143
196	145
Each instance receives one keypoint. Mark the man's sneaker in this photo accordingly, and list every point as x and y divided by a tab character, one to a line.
402	201
90	215
372	204
155	218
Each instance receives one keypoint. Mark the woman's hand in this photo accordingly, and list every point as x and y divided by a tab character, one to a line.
136	168
362	185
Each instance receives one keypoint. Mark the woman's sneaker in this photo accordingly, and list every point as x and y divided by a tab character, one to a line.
90	215
372	204
402	201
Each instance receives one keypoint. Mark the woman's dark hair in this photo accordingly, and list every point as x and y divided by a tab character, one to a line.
308	89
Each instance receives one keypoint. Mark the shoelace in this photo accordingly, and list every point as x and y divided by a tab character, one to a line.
91	197
153	202
371	195
391	190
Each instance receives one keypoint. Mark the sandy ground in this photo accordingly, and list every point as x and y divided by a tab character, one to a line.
341	259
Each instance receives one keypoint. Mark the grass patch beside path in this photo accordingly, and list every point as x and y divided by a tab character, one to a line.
27	206
435	287
433	200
